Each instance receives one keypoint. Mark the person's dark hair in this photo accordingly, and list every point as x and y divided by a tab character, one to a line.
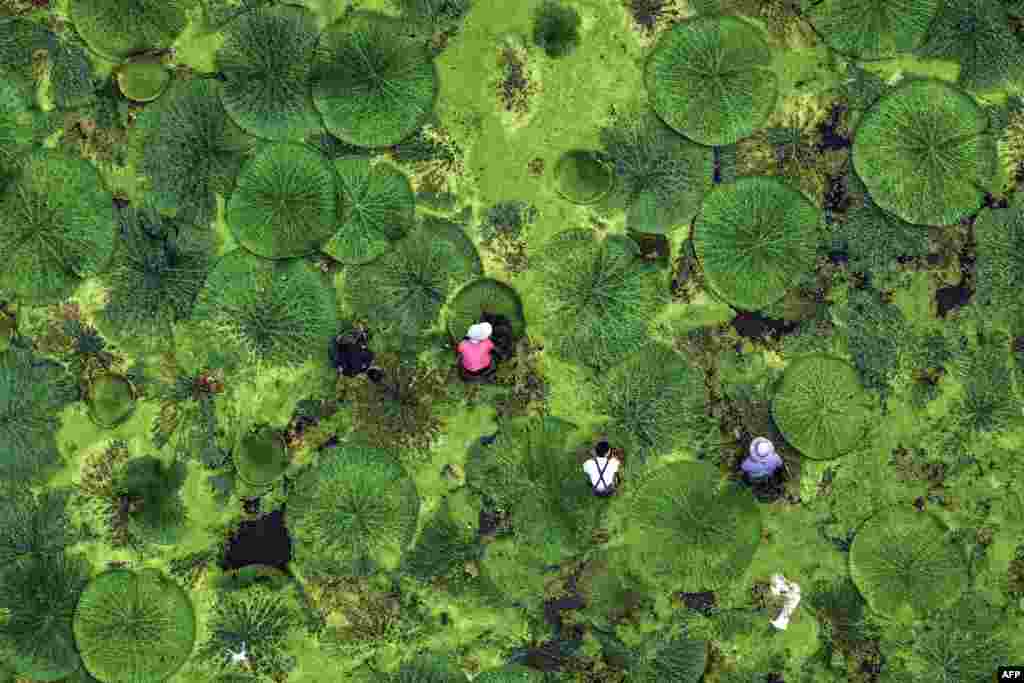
602	448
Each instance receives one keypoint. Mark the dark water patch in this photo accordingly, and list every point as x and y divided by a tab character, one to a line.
331	442
490	522
831	139
553	609
701	602
646	13
261	541
716	155
654	248
952	297
934	259
753	325
251	506
838	258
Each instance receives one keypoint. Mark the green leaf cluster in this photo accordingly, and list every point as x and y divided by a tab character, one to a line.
709	79
755	238
119	28
925	154
371	83
903	560
405	289
686	529
530	471
266	60
379	210
157	270
556	28
1000	258
71	75
150	488
33	391
261	618
39	594
596	296
57	227
876	336
353	512
977	35
821	407
285	202
190	149
134	626
873	29
660	175
274	312
655	402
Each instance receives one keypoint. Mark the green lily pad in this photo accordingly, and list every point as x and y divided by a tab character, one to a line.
582	177
143	81
8	326
261	456
111	399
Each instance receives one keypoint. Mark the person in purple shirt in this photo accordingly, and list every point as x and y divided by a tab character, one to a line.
762	461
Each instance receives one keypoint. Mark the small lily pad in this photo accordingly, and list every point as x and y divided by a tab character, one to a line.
582	177
261	456
143	81
111	399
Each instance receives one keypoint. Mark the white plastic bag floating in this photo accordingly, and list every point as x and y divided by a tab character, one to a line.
791	593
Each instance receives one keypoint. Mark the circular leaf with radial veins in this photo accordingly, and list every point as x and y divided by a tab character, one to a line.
372	85
873	29
925	153
687	528
134	627
902	559
353	511
119	28
710	79
754	238
57	226
821	407
380	206
285	202
266	60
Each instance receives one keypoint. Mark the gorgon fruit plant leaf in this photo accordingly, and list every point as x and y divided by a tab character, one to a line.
902	559
379	206
485	297
260	311
353	512
118	28
372	85
40	594
285	202
821	407
266	60
607	291
925	153
57	227
709	79
686	528
189	149
33	391
134	627
977	34
754	239
873	29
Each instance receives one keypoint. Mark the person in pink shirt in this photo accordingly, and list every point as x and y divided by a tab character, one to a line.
474	350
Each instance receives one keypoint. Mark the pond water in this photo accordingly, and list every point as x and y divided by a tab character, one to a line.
260	541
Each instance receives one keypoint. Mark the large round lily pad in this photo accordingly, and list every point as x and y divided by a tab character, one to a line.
261	455
111	399
582	177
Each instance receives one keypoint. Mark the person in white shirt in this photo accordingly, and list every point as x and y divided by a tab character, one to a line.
602	468
791	596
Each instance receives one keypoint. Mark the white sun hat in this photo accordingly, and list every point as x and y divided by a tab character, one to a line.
477	333
761	448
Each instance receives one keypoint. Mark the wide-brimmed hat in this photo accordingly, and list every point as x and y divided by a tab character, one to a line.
479	332
761	448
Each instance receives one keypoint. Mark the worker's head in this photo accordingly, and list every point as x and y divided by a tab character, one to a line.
602	449
764	449
477	333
